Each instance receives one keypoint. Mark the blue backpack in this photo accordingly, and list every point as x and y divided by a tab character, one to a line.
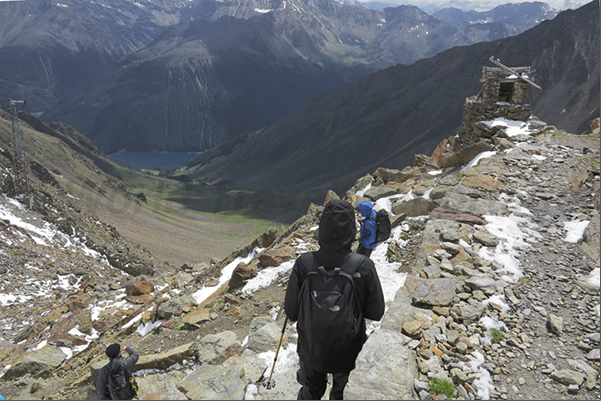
383	225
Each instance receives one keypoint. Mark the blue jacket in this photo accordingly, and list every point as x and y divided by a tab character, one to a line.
369	226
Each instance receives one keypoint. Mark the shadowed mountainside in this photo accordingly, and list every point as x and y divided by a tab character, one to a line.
387	117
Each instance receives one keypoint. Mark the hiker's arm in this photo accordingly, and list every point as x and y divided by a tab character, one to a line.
374	297
292	293
370	231
131	360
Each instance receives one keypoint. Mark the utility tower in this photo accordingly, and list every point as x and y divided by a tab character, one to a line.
20	163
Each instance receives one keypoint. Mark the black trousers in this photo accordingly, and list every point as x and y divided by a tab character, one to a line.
364	251
314	384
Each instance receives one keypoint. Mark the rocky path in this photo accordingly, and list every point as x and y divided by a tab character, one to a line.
495	271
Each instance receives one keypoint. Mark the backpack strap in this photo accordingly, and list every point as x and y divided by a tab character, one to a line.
109	381
352	263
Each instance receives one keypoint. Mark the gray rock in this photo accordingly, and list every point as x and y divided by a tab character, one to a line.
388	175
432	271
453	336
161	386
209	382
38	363
381	191
471	313
555	324
483	283
466	204
168	308
421	386
265	334
216	348
568	376
435	292
166	359
593	355
458	375
415	207
386	369
486	238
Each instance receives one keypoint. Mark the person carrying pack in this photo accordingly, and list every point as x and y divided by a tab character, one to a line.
115	381
330	294
375	227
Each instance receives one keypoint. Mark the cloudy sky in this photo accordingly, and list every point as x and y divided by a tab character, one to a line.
478	5
481	5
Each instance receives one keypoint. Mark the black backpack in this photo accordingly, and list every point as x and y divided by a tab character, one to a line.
122	385
329	317
383	225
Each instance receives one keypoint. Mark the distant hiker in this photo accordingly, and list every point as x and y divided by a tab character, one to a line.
114	379
369	228
331	329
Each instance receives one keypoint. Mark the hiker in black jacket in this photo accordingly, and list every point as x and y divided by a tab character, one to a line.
337	230
116	366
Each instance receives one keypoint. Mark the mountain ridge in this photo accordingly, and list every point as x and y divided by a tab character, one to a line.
346	118
334	44
447	238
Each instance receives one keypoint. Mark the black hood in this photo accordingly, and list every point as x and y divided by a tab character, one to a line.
337	227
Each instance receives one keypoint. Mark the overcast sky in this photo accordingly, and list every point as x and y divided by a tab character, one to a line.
478	5
481	5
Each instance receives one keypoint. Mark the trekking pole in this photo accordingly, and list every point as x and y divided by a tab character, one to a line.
270	383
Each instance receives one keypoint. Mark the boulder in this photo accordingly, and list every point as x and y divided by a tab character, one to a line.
466	204
213	349
209	382
568	377
170	307
197	317
440	213
331	195
435	292
486	238
381	191
80	302
463	156
42	363
471	313
485	284
140	288
386	369
481	181
241	274
276	257
415	207
161	386
80	319
555	324
163	360
265	334
388	175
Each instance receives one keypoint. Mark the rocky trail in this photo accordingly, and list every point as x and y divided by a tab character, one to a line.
491	279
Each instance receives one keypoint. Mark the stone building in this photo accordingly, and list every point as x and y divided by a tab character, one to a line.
504	93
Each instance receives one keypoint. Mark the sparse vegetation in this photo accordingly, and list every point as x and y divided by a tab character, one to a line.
497	335
460	176
441	386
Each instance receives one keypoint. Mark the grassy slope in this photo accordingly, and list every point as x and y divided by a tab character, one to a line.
170	231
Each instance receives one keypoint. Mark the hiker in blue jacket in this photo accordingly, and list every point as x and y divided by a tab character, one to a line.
368	229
